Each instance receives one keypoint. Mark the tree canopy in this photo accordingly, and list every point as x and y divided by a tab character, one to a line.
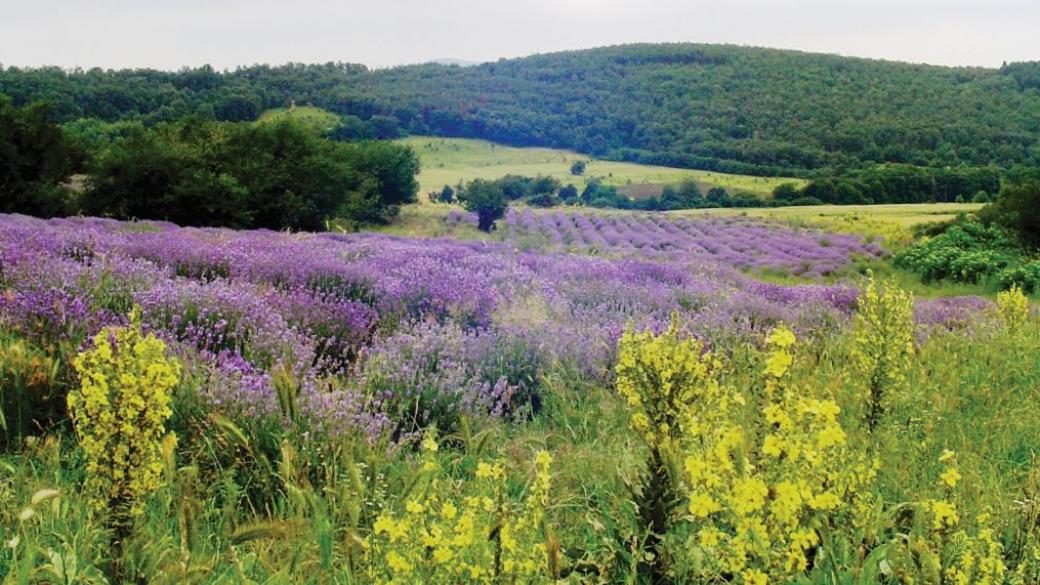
725	108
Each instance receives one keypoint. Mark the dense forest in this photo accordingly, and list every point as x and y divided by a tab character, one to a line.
726	108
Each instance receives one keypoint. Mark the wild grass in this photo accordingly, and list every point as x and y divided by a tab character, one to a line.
252	503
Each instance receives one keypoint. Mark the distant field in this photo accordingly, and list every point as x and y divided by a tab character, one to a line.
905	215
446	161
317	118
891	222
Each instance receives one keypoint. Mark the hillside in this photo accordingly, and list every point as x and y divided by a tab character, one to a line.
724	108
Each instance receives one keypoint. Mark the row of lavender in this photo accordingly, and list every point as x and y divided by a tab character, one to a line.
740	242
374	332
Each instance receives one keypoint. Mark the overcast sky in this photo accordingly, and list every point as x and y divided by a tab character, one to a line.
169	34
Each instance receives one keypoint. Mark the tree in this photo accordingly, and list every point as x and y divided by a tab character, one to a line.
786	192
35	158
578	168
350	128
485	198
278	175
1017	208
568	194
717	197
447	195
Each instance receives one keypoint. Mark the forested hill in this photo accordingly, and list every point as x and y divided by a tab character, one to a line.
737	109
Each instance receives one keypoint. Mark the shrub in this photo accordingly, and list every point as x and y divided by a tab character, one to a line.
964	252
1017	208
1026	277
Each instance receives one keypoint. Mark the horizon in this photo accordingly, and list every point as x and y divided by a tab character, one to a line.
178	34
463	62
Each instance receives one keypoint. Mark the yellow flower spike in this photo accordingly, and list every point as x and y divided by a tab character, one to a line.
944	514
951	476
781	337
1013	307
119	412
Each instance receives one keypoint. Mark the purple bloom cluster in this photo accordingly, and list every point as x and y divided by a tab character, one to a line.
735	241
383	334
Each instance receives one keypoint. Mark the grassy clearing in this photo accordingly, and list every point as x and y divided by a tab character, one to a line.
890	222
446	161
320	120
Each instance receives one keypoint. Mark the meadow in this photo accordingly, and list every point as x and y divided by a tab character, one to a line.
317	119
447	161
579	397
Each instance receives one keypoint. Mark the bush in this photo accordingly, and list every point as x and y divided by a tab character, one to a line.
981	197
964	252
1026	277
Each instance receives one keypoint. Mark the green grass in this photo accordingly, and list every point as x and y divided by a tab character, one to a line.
322	121
890	222
446	161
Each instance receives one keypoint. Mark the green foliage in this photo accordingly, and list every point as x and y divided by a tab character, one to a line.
273	175
578	167
35	158
965	252
897	183
1017	208
317	120
487	199
632	103
31	389
445	195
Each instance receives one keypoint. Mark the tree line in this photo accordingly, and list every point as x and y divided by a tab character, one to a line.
196	171
896	184
722	108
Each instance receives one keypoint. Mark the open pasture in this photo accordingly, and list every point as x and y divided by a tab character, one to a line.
446	161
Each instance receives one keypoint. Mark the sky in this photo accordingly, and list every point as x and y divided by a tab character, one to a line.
170	34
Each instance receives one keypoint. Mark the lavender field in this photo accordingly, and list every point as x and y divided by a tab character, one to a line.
410	410
738	242
371	324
